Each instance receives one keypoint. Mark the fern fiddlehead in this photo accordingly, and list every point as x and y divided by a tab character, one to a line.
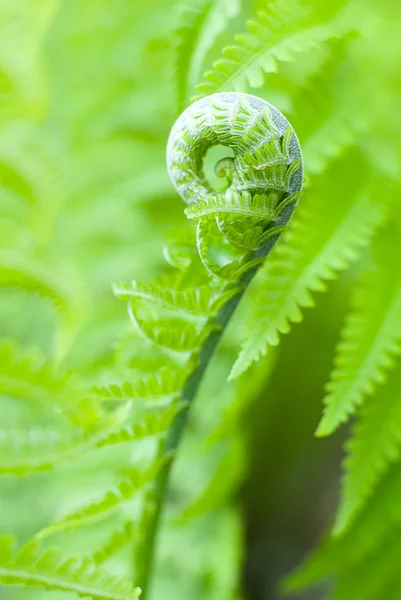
185	312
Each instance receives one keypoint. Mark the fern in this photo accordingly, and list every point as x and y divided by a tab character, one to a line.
284	30
52	571
152	425
85	200
25	373
161	387
68	300
124	491
326	238
200	26
118	540
28	450
373	530
373	447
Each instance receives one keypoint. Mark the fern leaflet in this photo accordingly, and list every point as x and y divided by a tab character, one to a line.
326	237
53	571
370	338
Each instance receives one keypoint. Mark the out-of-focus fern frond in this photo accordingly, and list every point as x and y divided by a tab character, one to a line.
27	374
200	26
53	571
118	539
153	424
370	537
284	30
66	296
374	445
370	339
123	492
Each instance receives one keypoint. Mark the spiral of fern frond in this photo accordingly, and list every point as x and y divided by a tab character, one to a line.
184	311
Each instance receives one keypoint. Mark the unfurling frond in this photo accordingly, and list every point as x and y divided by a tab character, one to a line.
53	571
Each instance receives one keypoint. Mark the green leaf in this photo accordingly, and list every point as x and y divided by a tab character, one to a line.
25	373
66	295
278	34
374	445
152	424
199	28
53	571
370	339
95	511
329	231
118	539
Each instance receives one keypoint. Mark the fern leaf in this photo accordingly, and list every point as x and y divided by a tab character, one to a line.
68	299
374	445
369	340
40	449
329	140
376	581
326	237
124	491
373	528
254	208
152	425
327	128
199	28
162	387
193	301
118	539
182	338
23	451
277	35
53	571
26	374
228	476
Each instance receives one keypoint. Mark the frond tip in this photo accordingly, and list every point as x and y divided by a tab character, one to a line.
52	571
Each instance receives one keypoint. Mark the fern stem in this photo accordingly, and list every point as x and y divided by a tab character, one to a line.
175	435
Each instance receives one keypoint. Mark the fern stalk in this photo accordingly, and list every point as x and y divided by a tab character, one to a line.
268	160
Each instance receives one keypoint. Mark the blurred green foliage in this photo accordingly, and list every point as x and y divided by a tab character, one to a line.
89	90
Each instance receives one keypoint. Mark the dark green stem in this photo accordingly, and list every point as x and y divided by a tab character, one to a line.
188	394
